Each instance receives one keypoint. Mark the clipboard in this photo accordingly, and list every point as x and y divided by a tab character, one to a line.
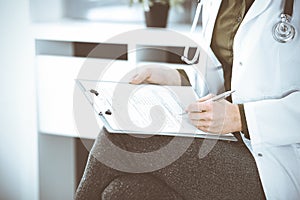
144	109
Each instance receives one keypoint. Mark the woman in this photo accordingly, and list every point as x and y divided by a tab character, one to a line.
264	109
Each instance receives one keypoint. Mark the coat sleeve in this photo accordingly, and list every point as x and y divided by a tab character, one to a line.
275	121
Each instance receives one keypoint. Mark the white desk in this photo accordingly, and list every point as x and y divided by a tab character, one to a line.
57	67
62	156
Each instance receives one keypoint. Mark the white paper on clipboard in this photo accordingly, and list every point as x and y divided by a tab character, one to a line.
144	109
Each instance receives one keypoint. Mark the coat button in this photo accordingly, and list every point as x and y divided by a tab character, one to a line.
240	63
239	19
260	154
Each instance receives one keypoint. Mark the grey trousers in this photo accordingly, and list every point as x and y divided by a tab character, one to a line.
228	171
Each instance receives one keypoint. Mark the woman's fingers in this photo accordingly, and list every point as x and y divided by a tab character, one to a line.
205	98
205	116
202	124
141	77
157	75
199	107
200	114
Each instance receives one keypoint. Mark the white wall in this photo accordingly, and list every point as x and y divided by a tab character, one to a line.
18	132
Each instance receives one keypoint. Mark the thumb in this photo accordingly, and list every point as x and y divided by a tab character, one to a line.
205	98
140	77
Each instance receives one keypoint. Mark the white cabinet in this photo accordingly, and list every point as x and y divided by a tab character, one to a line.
62	51
65	48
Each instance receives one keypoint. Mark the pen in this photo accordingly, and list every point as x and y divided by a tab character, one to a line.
221	96
216	98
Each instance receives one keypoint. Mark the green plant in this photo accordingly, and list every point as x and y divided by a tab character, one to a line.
149	3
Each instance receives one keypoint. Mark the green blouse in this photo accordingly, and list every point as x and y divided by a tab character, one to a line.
230	16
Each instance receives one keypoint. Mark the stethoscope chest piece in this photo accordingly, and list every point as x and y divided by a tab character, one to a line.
283	31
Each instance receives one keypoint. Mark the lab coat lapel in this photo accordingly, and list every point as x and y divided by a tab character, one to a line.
255	10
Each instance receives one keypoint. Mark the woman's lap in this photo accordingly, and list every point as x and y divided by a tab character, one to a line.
228	171
137	187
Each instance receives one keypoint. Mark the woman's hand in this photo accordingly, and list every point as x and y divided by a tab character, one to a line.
219	117
157	75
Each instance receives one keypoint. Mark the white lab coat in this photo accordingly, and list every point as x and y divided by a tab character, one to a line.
266	77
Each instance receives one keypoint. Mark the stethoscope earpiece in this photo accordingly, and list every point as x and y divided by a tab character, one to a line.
283	31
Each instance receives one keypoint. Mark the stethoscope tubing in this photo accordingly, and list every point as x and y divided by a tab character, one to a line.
284	31
193	28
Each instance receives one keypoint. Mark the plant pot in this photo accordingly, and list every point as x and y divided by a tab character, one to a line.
157	16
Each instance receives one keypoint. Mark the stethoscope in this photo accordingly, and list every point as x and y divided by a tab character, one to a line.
193	28
283	31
